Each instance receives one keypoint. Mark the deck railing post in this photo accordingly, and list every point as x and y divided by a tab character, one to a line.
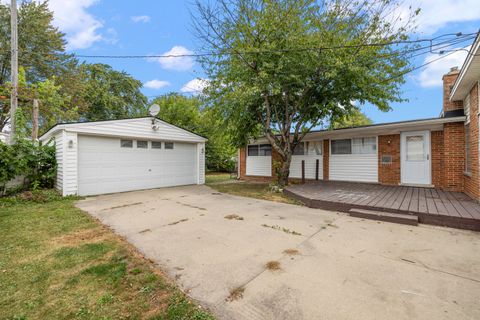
303	171
317	166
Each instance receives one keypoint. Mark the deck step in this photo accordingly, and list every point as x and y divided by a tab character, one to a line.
409	219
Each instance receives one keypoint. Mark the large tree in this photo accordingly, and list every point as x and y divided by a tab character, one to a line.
110	94
41	48
354	119
190	112
283	67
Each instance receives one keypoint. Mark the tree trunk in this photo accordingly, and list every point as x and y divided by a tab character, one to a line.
283	172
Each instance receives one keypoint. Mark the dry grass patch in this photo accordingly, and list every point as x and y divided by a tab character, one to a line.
273	265
233	217
286	230
60	263
253	190
177	222
236	294
291	252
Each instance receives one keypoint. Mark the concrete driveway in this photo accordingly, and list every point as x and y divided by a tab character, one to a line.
345	268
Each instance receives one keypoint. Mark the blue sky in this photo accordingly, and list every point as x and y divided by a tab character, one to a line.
144	27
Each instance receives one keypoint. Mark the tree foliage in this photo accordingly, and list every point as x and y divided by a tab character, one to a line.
191	113
286	66
41	48
354	119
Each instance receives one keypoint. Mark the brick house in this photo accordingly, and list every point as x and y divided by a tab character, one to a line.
440	152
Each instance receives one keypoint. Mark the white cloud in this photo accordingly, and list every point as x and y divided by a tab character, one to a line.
156	84
431	76
435	14
71	17
195	86
181	63
143	19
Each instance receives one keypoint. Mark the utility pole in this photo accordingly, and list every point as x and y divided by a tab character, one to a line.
35	120
14	68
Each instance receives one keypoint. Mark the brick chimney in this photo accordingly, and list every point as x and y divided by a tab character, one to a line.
448	81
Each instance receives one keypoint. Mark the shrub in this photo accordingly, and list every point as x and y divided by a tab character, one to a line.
36	163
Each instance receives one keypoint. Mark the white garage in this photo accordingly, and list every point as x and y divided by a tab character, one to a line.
124	155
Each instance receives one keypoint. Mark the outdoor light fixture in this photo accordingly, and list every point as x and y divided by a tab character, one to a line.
70	143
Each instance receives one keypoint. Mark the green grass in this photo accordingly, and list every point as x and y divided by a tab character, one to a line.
56	262
215	177
252	190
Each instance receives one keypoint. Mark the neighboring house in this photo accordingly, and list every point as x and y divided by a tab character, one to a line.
440	152
123	155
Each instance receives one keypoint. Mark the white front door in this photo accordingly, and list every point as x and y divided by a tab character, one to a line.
415	158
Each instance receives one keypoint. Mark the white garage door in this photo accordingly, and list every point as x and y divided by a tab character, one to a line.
106	167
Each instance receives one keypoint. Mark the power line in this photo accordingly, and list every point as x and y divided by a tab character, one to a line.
458	35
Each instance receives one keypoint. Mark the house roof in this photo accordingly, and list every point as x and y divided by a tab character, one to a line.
131	127
469	73
433	124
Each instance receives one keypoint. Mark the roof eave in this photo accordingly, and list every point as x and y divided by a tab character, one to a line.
455	94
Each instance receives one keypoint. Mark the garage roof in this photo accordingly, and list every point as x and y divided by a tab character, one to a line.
130	128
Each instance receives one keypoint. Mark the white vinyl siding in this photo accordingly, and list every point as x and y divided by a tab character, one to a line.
259	166
354	167
201	163
359	166
312	151
310	166
70	163
59	157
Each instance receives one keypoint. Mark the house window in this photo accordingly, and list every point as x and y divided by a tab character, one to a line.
156	145
315	147
300	149
142	144
263	150
126	143
415	148
366	145
168	145
343	146
468	157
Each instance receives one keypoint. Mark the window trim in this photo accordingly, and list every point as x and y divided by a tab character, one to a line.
169	143
258	149
146	144
330	151
125	140
152	147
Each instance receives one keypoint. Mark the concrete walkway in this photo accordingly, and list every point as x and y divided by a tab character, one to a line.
346	268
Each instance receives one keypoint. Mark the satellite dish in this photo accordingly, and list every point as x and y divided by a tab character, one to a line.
154	110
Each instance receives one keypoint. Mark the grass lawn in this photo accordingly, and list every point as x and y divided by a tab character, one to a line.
57	262
245	189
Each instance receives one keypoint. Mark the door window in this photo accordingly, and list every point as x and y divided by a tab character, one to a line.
415	148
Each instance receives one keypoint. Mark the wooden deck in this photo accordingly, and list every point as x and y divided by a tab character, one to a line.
432	206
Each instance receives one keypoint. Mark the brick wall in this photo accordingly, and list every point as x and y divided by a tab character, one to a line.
326	159
454	156
448	81
471	182
437	140
389	173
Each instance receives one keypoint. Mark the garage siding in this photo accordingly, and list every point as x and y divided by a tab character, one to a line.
59	157
201	163
142	128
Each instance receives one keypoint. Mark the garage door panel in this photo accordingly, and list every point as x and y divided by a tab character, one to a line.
105	167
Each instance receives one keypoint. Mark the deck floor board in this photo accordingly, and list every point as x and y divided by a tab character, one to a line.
432	205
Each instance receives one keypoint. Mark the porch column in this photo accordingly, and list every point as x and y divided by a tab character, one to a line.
326	159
